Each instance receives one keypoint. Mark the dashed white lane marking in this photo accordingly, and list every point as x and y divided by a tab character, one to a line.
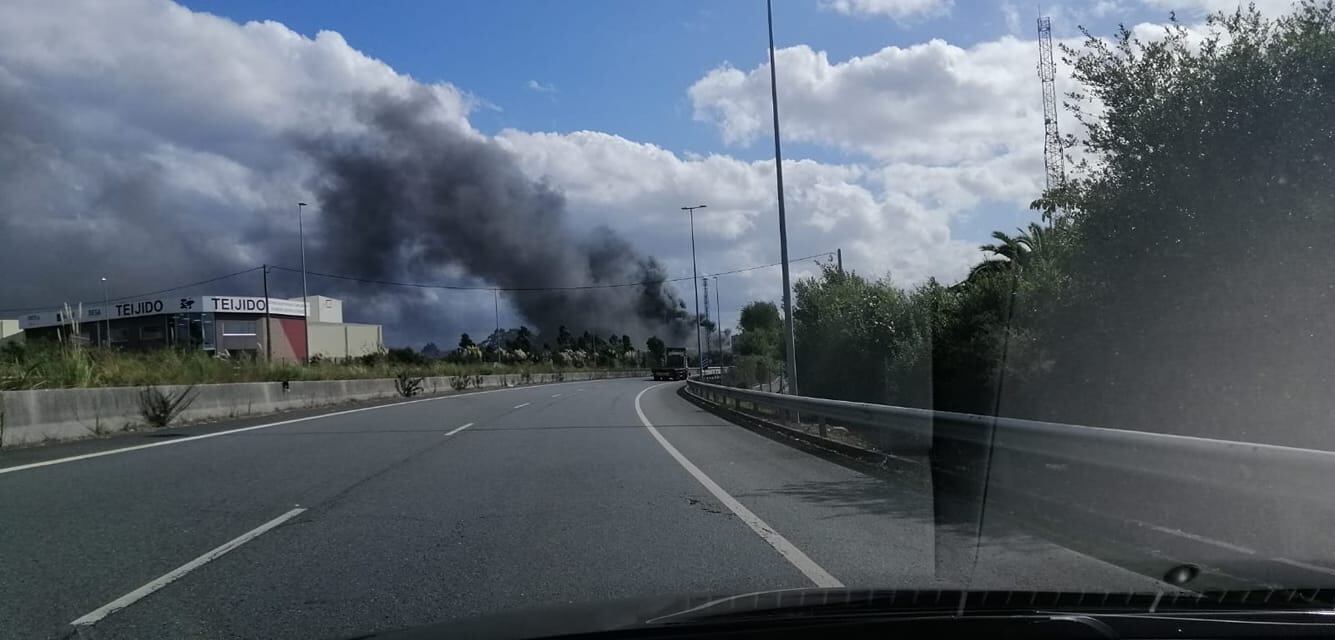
800	560
175	574
556	395
176	441
1198	538
457	430
522	405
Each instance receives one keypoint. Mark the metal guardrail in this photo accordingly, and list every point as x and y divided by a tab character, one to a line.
888	428
1260	511
1164	455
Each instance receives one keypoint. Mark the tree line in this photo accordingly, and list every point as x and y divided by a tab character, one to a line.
1182	273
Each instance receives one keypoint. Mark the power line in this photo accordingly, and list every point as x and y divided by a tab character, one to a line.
453	287
139	295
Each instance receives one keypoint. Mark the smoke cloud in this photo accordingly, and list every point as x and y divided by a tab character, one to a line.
416	198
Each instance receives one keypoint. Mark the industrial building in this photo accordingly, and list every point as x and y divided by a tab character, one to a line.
235	326
10	332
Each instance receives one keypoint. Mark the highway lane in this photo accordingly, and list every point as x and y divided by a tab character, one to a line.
554	494
82	533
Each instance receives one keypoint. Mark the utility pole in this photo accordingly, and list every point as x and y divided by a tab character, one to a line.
695	283
708	337
268	320
839	257
496	306
783	223
719	325
305	295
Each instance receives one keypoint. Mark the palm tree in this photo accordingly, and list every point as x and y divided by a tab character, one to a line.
1008	252
1031	247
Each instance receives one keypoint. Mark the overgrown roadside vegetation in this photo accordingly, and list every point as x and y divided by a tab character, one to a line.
52	366
1180	277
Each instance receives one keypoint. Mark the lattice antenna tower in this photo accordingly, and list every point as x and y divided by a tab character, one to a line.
1053	161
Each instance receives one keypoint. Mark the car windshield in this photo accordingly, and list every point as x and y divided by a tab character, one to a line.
323	319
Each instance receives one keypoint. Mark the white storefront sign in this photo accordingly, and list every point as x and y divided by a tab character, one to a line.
236	304
156	306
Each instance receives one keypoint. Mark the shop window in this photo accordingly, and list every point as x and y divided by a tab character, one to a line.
238	327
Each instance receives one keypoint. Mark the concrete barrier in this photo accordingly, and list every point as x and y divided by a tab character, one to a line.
45	415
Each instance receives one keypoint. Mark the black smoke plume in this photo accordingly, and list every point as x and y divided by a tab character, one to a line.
408	197
415	198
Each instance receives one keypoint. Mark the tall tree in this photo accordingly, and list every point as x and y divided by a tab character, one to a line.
431	351
523	339
657	348
465	341
760	316
1207	185
762	330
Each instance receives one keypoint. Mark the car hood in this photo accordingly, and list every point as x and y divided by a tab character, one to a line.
811	603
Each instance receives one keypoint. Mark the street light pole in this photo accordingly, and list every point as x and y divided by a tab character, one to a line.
718	310
106	314
695	282
305	310
783	223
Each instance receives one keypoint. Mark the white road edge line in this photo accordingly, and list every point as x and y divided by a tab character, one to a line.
176	574
457	430
522	405
801	561
1305	565
174	441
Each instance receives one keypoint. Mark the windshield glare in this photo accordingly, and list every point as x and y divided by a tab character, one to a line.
325	320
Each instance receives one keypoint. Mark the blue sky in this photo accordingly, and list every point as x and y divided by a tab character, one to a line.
616	66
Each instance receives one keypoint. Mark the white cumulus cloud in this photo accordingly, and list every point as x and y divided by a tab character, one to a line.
1196	8
539	87
881	223
895	9
945	128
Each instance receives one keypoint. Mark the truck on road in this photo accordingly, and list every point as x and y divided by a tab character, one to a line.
673	366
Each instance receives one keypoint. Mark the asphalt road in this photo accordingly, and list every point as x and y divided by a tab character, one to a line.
392	516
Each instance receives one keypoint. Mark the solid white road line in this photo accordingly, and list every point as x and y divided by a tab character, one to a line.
459	429
522	405
805	564
174	441
175	574
1305	565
